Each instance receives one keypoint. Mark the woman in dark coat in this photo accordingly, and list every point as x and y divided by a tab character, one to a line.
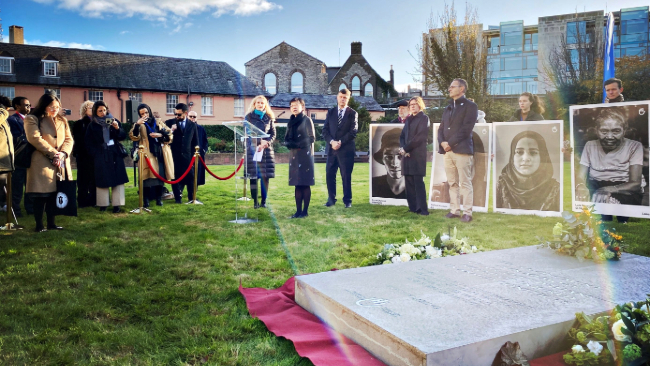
103	138
261	116
86	189
530	108
413	147
300	140
527	182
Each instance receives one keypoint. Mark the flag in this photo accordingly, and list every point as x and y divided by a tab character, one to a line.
608	58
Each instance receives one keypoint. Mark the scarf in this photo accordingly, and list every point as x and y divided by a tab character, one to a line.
292	127
260	113
106	133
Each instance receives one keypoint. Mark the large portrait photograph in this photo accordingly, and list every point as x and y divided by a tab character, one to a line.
610	158
387	184
439	186
528	168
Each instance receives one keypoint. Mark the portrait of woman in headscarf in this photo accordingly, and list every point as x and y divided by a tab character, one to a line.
527	182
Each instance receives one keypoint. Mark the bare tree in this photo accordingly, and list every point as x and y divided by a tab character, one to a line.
455	50
574	68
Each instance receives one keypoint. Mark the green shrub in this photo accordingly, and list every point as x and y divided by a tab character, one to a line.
362	142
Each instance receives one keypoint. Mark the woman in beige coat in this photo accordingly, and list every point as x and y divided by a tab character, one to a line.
155	137
50	134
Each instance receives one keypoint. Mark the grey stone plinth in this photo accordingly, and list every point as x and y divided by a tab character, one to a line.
460	310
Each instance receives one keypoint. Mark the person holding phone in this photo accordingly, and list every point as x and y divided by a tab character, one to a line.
103	138
153	136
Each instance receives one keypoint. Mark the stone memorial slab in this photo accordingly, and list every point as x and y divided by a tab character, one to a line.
460	310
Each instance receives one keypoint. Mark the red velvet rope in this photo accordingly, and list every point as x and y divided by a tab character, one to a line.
167	181
241	162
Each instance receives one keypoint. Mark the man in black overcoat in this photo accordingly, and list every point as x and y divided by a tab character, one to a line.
203	144
340	131
19	177
185	139
402	111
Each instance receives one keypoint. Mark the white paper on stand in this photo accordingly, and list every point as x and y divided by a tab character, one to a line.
258	155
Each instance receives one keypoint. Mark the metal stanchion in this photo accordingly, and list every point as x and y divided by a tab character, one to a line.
141	157
11	219
197	156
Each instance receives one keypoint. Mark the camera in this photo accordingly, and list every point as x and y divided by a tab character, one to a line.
109	121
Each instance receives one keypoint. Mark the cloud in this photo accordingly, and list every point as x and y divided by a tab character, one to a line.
83	46
125	32
161	10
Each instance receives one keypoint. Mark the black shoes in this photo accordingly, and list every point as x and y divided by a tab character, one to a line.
451	216
424	213
263	205
348	205
54	227
256	205
159	202
297	215
466	218
330	203
40	229
102	209
145	203
117	209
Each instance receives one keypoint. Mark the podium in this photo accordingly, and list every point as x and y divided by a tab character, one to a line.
244	132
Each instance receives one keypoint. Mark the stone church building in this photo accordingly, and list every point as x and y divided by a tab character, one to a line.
286	69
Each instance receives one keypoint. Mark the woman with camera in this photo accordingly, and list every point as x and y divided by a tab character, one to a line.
103	138
50	135
155	137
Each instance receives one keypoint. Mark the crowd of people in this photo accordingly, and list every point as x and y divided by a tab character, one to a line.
96	143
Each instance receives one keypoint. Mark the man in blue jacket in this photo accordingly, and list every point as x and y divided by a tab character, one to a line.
455	142
19	178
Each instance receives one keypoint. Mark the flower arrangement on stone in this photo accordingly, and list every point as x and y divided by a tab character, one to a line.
423	248
622	337
583	236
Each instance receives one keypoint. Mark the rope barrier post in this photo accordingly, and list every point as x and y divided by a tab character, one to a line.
141	157
10	224
197	156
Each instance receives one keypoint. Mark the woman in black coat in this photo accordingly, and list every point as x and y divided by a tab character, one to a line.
530	108
300	140
86	189
103	138
413	147
261	116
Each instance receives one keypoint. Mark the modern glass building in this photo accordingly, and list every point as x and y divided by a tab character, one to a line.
631	32
512	58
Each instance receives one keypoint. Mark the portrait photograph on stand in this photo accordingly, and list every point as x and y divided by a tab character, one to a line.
439	186
609	167
388	185
528	168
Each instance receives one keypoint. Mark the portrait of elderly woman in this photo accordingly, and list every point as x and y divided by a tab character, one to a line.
391	184
611	166
526	182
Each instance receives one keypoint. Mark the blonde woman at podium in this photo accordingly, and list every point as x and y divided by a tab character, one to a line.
261	116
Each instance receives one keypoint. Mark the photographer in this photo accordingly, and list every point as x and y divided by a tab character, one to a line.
103	138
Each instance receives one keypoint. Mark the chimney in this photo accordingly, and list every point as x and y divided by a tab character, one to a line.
356	48
16	34
392	76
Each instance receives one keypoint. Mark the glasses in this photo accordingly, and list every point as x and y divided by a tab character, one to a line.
53	108
413	104
190	116
28	105
454	86
178	114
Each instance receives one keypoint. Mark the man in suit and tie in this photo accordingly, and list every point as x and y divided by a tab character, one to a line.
185	139
19	177
340	131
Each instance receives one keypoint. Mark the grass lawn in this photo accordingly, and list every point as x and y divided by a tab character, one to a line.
161	289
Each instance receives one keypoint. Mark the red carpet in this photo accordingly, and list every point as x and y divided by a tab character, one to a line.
312	339
278	310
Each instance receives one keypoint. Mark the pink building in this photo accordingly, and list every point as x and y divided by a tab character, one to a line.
214	89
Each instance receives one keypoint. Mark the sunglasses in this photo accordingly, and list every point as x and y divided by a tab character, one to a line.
191	116
178	114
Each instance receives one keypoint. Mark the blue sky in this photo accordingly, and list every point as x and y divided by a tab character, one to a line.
236	31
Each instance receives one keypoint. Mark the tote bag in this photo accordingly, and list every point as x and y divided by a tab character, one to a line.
66	196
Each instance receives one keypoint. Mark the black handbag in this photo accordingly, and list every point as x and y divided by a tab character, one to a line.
66	196
122	149
23	153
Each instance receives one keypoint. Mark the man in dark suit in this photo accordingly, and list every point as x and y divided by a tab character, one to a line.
402	111
185	139
340	131
19	177
455	142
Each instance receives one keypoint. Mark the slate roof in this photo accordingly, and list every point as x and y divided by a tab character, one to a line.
320	101
331	72
278	45
113	70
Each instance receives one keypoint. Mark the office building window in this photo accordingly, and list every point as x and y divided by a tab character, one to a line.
270	83
136	97
56	92
511	63
50	68
206	106
5	65
578	32
172	100
239	107
8	91
297	83
95	95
